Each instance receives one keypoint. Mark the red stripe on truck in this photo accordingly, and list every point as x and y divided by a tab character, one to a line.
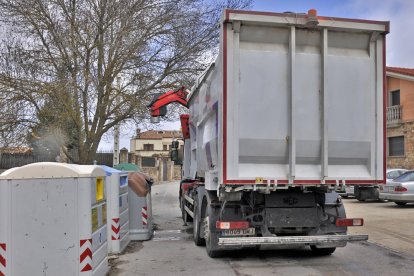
225	100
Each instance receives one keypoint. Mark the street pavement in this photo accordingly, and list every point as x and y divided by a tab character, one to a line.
172	250
387	224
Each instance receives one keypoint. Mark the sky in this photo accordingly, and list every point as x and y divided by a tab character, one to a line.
400	40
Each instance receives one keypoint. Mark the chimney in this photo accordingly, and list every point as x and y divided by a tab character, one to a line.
138	132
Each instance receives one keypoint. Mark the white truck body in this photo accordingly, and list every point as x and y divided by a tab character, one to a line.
292	109
288	104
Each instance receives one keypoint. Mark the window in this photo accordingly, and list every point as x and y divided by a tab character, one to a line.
148	161
148	147
395	174
164	147
395	98
396	146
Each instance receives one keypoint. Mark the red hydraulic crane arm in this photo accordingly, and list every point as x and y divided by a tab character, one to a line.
158	105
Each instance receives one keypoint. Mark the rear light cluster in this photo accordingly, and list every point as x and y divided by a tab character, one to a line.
400	189
232	224
349	222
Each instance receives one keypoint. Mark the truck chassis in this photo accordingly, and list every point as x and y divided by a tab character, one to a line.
266	217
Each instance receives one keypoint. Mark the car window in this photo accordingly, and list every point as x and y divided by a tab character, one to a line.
394	174
408	176
401	172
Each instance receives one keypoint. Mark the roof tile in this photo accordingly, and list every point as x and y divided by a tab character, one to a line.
401	70
159	134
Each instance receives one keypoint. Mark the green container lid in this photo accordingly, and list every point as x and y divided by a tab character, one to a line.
127	167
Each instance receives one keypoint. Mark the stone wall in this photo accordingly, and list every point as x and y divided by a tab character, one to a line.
153	172
173	171
177	172
406	161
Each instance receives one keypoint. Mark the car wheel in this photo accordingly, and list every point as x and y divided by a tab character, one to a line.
399	203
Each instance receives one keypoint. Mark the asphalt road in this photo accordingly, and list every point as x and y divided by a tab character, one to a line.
390	250
387	224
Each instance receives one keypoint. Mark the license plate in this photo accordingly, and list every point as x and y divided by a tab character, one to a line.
389	189
239	232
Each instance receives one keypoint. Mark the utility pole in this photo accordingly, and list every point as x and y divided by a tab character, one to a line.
115	160
116	145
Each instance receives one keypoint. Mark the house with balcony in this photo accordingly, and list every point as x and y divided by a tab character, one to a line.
151	151
400	117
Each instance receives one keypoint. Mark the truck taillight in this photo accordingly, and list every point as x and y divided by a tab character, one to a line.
349	222
232	224
400	189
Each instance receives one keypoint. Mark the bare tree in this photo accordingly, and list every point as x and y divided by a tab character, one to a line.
78	67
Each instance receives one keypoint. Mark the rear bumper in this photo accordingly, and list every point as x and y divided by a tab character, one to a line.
397	197
291	241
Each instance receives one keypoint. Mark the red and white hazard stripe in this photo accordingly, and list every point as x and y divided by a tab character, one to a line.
115	229
2	259
144	214
85	255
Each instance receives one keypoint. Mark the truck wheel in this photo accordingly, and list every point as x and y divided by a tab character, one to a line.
399	203
197	234
211	235
322	251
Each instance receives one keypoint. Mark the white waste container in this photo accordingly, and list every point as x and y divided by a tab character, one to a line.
118	211
53	220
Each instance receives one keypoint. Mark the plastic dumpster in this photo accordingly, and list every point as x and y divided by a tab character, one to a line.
118	209
53	220
140	209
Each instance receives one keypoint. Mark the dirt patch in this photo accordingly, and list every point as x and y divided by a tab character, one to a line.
155	226
133	246
114	262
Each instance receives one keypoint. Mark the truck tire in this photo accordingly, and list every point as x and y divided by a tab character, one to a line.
399	203
360	199
357	193
366	193
212	236
322	251
198	236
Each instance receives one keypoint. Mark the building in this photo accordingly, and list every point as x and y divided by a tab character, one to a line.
151	151
400	117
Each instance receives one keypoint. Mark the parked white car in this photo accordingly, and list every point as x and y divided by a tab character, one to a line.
399	190
394	173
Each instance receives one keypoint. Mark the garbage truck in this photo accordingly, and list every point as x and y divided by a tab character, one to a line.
292	108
